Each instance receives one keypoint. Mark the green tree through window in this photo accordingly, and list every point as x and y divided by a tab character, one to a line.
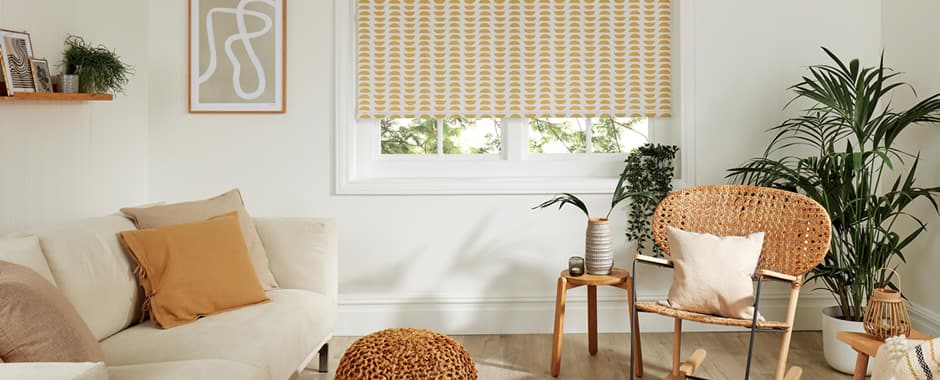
483	136
461	136
570	135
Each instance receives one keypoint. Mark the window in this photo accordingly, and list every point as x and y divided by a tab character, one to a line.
421	136
484	136
587	135
453	104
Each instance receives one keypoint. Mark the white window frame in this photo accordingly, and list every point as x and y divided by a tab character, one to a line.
361	169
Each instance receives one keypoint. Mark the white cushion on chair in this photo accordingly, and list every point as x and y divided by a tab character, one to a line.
713	275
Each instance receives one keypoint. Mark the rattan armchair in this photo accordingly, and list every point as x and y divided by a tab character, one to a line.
797	239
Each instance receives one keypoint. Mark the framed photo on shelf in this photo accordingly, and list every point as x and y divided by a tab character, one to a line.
237	56
17	49
42	78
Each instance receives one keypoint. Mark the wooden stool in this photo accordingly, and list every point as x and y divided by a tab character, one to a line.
867	346
618	278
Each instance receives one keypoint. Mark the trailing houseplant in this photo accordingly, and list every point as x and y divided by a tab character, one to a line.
648	169
99	69
842	152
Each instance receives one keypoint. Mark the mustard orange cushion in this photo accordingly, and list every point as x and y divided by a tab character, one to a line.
194	269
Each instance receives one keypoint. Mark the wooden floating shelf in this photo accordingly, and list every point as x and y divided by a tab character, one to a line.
58	96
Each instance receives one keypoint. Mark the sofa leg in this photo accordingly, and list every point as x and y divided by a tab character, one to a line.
324	355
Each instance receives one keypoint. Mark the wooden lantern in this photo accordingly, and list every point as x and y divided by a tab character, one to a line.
886	315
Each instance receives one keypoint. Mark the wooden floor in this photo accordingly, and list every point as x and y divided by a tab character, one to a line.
528	356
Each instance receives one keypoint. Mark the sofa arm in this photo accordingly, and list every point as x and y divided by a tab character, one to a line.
54	371
301	252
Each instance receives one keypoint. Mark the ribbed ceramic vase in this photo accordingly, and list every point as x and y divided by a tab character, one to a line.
598	251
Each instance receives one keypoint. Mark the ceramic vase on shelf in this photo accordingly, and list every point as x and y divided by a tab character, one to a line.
66	83
598	248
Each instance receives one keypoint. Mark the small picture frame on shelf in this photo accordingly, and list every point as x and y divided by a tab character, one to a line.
42	78
17	49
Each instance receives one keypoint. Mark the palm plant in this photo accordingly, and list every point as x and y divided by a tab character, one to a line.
843	153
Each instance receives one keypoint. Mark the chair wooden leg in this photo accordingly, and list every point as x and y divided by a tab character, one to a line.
559	325
635	336
676	346
785	343
592	319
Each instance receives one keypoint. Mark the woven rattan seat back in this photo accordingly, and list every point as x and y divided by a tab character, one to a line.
797	228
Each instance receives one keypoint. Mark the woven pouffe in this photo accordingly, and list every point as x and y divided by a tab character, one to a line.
406	354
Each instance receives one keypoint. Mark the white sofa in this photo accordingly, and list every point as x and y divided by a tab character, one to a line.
273	340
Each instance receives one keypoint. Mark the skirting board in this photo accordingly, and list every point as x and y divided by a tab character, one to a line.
924	320
534	315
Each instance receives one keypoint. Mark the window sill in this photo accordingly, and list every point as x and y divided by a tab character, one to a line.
481	186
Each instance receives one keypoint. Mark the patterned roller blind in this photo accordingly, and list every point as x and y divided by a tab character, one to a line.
513	58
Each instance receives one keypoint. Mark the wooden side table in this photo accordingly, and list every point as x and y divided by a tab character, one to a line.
867	346
618	278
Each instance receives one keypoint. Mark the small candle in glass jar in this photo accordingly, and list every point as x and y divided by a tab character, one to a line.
576	266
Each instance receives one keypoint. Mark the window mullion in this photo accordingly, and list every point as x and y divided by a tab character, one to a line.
588	143
515	139
439	127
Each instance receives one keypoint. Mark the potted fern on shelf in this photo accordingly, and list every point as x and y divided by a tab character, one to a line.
843	153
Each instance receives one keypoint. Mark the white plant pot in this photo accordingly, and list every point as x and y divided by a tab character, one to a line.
839	356
598	247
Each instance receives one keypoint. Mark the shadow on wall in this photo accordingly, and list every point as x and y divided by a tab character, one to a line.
502	270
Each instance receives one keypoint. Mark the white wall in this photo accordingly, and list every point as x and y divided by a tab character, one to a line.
910	31
454	263
471	263
67	160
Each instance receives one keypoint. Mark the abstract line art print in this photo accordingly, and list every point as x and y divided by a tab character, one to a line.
17	50
236	56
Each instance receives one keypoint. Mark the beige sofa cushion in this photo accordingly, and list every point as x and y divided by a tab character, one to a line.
94	272
54	371
198	211
276	336
37	324
206	369
301	252
25	250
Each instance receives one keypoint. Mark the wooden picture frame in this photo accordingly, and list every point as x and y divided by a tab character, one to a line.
6	88
237	65
42	77
17	49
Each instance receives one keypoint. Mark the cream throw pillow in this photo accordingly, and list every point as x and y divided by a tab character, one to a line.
907	359
198	211
713	274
